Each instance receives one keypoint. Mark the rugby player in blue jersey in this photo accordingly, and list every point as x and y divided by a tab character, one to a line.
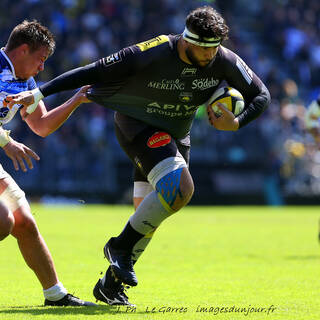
23	57
155	87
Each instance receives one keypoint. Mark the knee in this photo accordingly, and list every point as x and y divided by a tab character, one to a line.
187	194
25	225
175	190
186	191
6	221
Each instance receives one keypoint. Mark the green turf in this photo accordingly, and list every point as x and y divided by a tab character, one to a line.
202	258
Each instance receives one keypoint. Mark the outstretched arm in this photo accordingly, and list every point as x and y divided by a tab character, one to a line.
112	68
70	80
43	122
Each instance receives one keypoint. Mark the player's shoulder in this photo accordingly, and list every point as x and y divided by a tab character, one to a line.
157	47
159	43
227	55
231	60
154	50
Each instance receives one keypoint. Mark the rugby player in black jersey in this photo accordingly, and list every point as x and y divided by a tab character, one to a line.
155	87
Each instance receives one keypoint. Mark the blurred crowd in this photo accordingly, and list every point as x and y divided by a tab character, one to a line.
277	38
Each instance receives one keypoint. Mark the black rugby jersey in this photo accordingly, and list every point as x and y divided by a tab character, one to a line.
149	82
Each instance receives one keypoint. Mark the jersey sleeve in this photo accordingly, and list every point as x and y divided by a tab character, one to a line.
131	60
241	77
117	66
113	69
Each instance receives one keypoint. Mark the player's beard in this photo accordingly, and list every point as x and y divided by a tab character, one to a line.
194	60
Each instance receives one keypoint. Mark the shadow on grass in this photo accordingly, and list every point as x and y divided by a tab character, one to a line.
41	310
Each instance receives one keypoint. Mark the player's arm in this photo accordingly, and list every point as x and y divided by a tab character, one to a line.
70	80
16	151
101	71
241	77
43	122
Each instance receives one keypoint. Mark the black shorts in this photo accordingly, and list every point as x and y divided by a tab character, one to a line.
149	147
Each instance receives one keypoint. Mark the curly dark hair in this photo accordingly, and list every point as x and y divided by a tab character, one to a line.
206	22
33	34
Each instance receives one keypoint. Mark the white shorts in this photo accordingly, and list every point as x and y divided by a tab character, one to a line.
12	197
4	173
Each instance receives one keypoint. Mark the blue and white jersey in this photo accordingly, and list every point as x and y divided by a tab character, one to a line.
10	84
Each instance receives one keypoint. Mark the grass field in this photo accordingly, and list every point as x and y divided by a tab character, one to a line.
203	262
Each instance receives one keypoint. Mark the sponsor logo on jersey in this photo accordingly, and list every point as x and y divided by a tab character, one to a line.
188	72
166	84
113	58
146	45
204	83
185	96
171	110
159	139
3	112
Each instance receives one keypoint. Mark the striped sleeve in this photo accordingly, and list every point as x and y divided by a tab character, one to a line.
241	77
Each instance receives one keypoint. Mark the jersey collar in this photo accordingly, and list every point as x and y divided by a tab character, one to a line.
9	63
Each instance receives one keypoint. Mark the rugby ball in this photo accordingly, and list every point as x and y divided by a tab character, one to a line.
230	98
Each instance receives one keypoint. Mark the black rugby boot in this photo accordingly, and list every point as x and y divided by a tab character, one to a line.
114	296
121	264
69	300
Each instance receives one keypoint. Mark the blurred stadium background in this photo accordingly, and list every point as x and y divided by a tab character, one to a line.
271	161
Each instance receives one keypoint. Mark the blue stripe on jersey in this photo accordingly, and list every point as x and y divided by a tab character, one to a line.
10	85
